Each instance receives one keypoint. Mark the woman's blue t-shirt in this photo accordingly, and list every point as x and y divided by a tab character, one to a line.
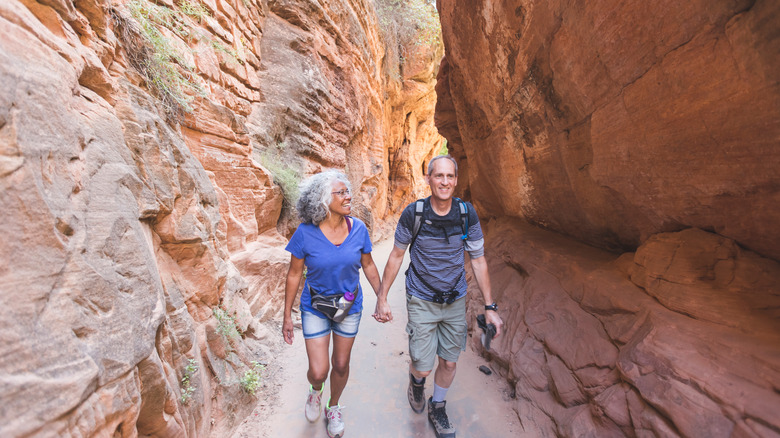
330	269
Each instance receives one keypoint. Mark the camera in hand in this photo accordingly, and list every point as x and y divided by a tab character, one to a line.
488	331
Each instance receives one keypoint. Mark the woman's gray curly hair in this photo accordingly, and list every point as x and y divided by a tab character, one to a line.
314	201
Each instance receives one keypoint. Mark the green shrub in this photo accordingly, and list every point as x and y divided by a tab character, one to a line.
226	326
284	174
186	381
194	9
250	381
153	55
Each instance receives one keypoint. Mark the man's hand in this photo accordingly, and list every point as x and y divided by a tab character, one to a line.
491	316
382	312
287	330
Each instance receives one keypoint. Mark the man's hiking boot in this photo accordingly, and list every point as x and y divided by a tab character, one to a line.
313	404
335	421
416	394
437	415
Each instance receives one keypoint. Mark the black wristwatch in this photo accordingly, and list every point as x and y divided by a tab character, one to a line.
493	307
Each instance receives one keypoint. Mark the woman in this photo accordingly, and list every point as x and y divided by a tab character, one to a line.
333	246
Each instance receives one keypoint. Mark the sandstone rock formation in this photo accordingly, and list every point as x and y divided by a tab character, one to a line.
331	100
614	122
649	130
678	339
409	115
141	252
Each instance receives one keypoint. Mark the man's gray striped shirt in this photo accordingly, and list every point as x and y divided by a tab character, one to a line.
438	251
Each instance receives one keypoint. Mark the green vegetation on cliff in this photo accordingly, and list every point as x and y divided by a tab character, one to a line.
287	176
158	41
408	26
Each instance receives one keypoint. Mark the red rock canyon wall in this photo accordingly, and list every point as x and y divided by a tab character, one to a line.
127	222
651	131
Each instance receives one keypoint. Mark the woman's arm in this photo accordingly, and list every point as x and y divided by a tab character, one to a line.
371	271
383	312
290	291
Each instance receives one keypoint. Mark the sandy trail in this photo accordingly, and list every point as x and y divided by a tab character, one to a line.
375	397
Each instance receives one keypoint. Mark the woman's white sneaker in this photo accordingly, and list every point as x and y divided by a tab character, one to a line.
313	404
333	416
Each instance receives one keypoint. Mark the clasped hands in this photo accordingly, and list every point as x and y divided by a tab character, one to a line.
382	312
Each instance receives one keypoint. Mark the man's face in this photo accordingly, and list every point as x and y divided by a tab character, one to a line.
442	180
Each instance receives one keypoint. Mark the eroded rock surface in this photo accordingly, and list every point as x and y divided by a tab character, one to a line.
631	128
678	339
142	260
334	98
613	122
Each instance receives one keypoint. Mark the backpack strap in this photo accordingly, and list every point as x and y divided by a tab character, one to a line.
464	219
439	296
418	213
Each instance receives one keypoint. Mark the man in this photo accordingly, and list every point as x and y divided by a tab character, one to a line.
436	287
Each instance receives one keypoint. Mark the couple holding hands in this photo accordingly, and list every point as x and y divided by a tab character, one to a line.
333	246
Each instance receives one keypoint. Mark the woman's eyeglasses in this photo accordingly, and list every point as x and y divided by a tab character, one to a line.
341	193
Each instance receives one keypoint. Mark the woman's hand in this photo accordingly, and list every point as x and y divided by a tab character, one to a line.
287	330
382	312
290	291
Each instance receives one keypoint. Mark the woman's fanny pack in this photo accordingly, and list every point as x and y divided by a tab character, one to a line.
334	306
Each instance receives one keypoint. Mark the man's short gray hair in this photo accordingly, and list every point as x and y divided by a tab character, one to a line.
438	157
314	201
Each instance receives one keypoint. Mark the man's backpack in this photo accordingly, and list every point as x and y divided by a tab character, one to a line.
418	217
439	296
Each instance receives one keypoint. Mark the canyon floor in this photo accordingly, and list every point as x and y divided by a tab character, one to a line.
375	397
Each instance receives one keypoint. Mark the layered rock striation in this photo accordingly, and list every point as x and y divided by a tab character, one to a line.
335	97
647	131
142	260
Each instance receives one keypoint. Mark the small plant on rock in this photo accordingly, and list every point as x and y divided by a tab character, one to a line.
285	175
186	381
148	32
226	325
152	52
194	9
228	51
250	381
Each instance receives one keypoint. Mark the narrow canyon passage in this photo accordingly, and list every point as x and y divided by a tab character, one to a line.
622	156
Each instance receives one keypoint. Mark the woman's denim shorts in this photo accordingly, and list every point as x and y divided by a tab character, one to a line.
315	326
